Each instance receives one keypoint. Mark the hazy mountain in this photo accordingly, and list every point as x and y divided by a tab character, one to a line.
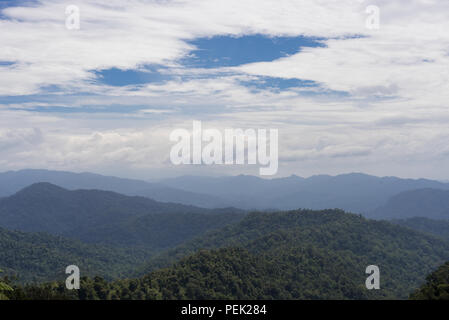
435	227
353	192
108	217
13	181
429	203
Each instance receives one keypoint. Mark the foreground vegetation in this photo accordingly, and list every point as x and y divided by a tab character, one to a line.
436	286
298	254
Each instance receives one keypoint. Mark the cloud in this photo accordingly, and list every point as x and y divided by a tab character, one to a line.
130	34
378	101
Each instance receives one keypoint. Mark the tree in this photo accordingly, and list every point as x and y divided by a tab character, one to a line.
436	286
4	287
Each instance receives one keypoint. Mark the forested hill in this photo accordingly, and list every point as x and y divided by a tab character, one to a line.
438	228
229	273
43	257
283	255
343	244
108	217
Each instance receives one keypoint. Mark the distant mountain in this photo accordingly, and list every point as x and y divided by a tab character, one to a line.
13	181
108	217
353	192
428	203
43	257
438	228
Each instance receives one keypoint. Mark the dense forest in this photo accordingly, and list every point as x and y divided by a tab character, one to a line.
230	273
404	256
137	248
436	286
4	288
298	254
439	228
32	257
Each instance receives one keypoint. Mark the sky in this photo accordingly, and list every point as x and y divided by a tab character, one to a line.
346	94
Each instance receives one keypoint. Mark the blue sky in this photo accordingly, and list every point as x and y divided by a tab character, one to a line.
210	53
218	52
213	53
345	96
231	51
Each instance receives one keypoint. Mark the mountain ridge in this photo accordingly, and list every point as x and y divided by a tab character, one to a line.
98	216
13	181
428	202
355	192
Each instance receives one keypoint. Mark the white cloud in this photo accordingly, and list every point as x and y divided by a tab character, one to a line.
393	121
128	34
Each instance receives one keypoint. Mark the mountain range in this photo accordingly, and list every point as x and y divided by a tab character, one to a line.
354	192
149	249
13	181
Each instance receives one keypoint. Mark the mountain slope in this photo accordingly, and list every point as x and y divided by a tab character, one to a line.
429	203
43	257
284	255
108	217
230	273
438	228
404	256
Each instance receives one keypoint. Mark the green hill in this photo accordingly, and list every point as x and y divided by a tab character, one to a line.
284	255
404	256
438	228
230	273
35	257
